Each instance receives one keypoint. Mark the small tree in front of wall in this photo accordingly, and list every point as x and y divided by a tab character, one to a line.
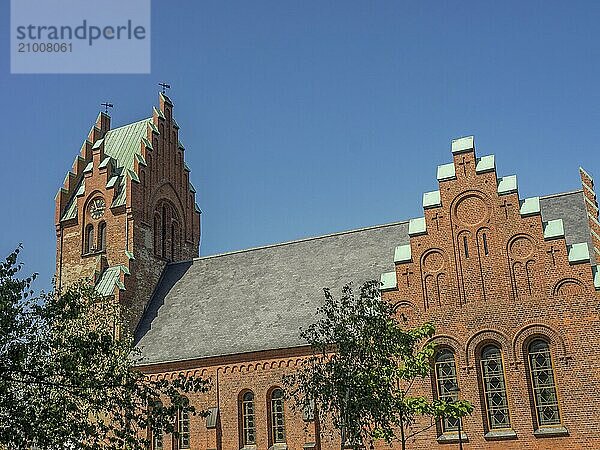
362	369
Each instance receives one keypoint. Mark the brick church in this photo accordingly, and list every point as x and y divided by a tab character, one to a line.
510	283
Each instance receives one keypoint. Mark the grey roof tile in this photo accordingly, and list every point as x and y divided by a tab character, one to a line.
258	299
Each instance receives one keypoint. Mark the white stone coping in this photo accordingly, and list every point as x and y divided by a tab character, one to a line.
507	185
388	281
463	144
402	253
530	206
432	199
578	252
417	226
554	229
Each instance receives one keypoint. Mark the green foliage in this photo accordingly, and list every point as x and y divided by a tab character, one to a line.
68	377
363	367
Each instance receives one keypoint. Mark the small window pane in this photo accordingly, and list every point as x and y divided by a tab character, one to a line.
542	382
447	384
277	419
494	387
157	440
248	419
184	429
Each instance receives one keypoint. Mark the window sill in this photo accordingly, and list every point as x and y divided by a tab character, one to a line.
500	434
94	253
280	446
451	437
249	447
310	445
553	431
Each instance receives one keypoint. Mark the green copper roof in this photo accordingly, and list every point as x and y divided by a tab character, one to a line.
388	281
530	206
122	148
403	253
578	252
123	143
110	279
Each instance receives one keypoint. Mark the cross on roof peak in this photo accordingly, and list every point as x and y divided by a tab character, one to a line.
164	87
106	106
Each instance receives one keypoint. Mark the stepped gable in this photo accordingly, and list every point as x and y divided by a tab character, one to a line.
479	242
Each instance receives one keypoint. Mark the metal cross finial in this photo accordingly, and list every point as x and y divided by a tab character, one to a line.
106	106
164	87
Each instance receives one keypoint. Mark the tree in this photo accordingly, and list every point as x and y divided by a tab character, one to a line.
362	368
68	377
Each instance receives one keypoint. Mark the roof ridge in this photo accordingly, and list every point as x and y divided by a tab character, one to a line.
339	233
295	241
129	124
560	194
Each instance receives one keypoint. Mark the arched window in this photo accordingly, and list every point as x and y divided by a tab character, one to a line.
542	382
183	427
494	387
173	239
102	236
156	234
163	251
157	434
157	440
248	422
447	384
277	419
88	245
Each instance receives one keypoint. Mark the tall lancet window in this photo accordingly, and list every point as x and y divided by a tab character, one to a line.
102	236
248	420
447	384
88	245
494	386
277	417
542	382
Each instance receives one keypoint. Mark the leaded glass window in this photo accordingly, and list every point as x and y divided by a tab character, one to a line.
277	420
494	385
157	440
542	383
183	426
447	384
248	420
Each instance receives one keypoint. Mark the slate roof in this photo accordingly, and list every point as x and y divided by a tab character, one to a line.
257	299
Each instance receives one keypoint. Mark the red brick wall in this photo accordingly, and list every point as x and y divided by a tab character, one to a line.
162	180
524	287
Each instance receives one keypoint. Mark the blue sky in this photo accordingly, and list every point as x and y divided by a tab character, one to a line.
305	118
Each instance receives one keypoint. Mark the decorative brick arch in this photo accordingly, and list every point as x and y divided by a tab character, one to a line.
483	337
568	287
448	341
533	330
166	191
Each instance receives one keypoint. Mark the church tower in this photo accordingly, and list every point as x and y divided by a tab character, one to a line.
126	209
